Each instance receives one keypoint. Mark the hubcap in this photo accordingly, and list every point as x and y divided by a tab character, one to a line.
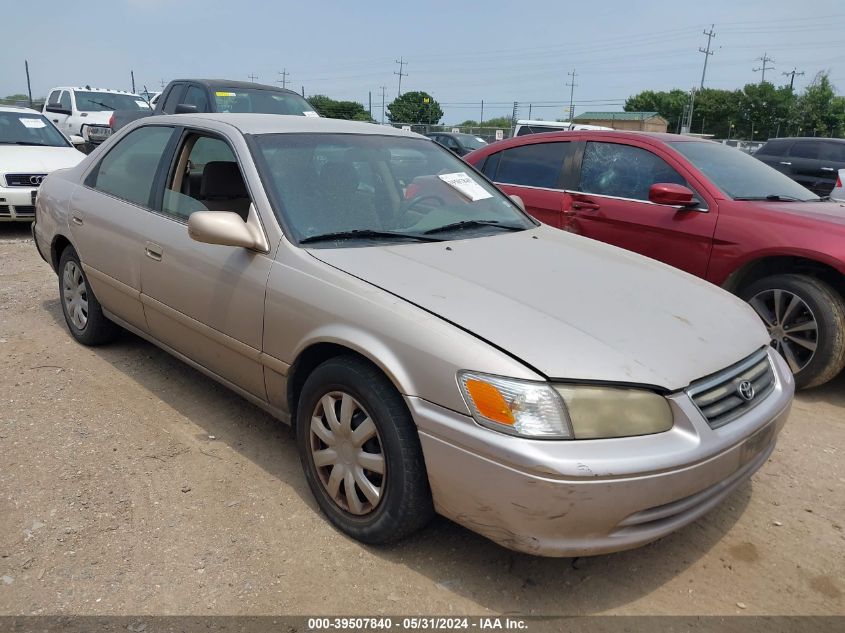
792	326
347	452
75	295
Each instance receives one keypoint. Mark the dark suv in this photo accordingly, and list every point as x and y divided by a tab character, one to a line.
812	162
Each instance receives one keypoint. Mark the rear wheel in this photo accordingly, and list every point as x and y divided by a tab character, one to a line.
83	313
361	453
806	322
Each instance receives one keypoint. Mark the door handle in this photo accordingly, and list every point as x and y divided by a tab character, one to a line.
783	162
55	120
580	205
153	251
828	169
76	219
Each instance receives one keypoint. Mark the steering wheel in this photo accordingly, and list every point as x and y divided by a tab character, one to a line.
410	204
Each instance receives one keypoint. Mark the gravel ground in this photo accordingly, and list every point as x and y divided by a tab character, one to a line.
132	484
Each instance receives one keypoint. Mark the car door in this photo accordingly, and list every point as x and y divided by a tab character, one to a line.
534	172
108	219
62	120
775	154
611	204
205	301
805	164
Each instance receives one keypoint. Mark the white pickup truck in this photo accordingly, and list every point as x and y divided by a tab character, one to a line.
86	111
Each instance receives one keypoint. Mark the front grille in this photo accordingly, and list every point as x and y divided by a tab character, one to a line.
5	211
719	397
22	210
24	180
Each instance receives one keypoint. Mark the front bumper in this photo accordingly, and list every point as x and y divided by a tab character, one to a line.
585	497
17	204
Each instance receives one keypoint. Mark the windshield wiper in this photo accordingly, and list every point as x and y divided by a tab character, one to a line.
100	103
473	223
773	197
365	234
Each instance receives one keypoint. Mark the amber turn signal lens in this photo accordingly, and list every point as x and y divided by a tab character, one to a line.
489	402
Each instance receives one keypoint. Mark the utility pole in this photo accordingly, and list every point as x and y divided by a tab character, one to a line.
513	115
284	80
28	85
481	120
792	73
383	88
161	81
763	68
571	95
252	77
302	88
132	74
401	61
371	103
707	52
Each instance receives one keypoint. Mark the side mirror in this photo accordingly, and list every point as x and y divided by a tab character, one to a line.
224	228
185	108
671	194
57	108
518	202
77	140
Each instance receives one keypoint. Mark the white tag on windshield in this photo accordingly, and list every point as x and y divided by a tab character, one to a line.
33	123
141	104
311	113
465	186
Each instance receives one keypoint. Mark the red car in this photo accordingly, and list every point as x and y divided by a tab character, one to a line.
705	208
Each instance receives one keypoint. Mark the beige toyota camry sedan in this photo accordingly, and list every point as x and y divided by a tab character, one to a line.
435	348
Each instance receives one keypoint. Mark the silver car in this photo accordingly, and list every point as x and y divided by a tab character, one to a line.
435	348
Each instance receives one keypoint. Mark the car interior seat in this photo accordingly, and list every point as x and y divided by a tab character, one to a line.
223	189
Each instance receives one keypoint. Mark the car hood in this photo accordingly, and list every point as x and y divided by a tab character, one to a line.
25	159
833	212
567	306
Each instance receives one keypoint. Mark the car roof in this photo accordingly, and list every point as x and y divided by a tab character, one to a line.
254	123
807	138
4	108
94	89
228	83
594	135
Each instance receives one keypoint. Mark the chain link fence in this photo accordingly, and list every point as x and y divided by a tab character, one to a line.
489	134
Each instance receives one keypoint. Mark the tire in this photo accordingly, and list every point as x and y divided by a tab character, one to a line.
818	302
85	320
347	384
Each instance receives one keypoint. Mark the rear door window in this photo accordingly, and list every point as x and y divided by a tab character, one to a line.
54	97
624	171
65	100
805	149
534	165
130	167
774	148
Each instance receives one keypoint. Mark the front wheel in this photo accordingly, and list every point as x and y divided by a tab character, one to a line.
806	322
361	453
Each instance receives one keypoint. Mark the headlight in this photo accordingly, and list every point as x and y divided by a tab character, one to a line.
615	411
544	410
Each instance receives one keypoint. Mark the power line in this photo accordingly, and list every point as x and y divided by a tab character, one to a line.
571	85
284	80
252	77
401	61
763	68
792	73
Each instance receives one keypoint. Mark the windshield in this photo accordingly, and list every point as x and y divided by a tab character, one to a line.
739	175
25	128
107	101
262	101
469	141
326	184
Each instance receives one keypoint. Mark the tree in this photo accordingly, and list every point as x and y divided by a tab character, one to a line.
16	97
333	109
502	123
819	111
414	107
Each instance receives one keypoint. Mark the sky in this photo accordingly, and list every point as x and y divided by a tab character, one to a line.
460	52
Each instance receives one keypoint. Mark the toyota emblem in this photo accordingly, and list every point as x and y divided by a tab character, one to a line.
36	180
746	390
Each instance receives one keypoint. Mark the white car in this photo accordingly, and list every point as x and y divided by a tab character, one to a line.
86	111
30	148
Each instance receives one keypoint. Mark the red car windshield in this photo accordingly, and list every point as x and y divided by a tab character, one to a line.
740	176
